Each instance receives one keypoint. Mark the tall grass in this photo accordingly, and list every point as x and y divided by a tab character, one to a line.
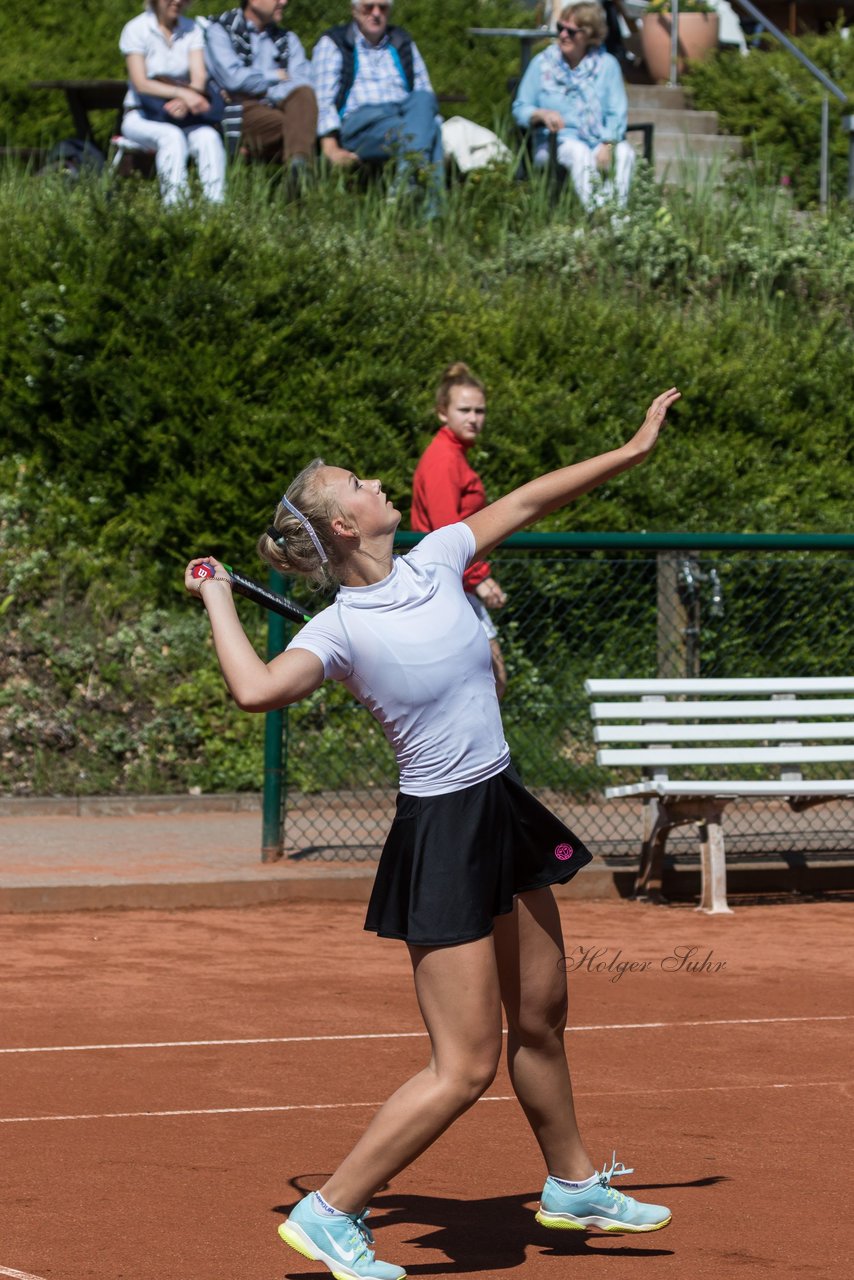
711	231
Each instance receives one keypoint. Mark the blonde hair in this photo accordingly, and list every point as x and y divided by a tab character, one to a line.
292	550
456	375
590	17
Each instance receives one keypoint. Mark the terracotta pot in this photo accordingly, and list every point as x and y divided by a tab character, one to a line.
698	35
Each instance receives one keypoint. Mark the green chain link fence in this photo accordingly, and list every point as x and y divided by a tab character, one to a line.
582	606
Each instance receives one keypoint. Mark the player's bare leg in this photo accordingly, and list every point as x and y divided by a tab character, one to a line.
458	993
530	954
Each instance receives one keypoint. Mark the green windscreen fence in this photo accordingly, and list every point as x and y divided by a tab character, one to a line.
580	607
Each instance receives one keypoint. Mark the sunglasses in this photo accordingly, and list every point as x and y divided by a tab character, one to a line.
563	29
367	8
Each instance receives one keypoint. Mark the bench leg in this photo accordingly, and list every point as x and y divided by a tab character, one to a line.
713	867
656	825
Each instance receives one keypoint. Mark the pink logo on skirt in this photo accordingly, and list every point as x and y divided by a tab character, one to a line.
563	851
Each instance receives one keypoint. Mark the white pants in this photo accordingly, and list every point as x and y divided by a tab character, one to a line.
593	186
174	146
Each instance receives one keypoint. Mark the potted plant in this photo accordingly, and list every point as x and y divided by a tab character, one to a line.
698	35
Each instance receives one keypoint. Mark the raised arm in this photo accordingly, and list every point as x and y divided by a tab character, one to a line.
530	502
254	684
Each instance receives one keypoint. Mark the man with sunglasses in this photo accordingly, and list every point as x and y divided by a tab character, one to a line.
374	97
257	62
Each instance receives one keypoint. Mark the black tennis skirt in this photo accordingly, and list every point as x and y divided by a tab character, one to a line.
452	863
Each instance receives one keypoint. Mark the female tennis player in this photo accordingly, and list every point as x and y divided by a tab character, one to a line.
465	874
446	489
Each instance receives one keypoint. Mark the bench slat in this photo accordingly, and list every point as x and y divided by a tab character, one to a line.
647	756
739	710
701	685
734	789
749	715
792	732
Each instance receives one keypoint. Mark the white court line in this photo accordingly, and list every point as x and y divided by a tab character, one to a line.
345	1106
17	1275
410	1035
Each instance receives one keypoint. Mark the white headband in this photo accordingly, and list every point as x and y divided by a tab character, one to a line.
306	524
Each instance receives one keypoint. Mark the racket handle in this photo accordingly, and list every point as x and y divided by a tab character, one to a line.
203	571
252	590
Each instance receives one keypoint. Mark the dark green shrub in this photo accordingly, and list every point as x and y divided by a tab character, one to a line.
772	101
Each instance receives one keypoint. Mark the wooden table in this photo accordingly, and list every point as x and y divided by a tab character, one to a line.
84	96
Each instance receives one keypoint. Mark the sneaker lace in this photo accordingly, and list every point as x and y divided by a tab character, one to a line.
616	1171
362	1235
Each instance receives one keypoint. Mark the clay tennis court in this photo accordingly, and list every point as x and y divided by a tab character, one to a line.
208	1066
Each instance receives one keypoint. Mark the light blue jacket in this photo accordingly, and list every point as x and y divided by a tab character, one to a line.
260	79
592	100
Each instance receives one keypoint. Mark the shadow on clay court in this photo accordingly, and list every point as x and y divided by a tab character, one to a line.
711	1181
491	1234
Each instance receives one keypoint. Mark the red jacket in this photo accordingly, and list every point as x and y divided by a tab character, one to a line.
445	489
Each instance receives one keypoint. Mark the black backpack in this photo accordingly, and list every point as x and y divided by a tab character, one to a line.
73	157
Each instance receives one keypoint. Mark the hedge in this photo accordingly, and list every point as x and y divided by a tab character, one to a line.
165	373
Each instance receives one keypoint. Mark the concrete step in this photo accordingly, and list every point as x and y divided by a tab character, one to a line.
694	151
175	852
672	120
686	144
674	145
659	96
688	158
689	170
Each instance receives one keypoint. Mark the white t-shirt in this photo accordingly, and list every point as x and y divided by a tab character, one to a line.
162	57
412	651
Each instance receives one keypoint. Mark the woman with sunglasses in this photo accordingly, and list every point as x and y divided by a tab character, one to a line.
466	873
575	89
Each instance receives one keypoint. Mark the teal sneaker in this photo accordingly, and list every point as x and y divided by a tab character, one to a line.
599	1206
339	1240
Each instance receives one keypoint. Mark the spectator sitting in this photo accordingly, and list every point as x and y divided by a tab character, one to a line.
374	96
575	89
166	102
613	40
259	64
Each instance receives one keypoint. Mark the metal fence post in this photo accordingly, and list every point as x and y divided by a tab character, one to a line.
823	180
674	44
275	723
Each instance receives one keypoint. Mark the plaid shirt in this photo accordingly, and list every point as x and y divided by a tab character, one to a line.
378	78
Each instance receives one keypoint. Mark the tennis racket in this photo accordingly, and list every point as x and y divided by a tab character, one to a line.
255	591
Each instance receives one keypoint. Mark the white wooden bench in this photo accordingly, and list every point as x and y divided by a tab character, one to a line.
719	726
